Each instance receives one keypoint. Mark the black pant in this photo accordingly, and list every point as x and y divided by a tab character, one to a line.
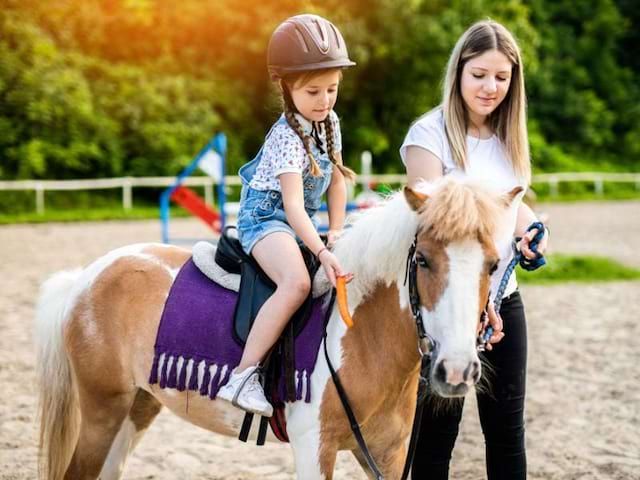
501	409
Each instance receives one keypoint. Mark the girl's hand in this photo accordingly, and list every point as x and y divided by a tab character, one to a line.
332	237
332	267
526	240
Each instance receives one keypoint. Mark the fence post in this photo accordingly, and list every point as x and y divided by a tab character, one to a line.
40	199
598	186
553	186
208	191
126	193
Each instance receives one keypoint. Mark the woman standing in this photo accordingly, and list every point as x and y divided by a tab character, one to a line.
479	132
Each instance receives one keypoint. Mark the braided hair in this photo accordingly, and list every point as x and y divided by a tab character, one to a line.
329	135
289	113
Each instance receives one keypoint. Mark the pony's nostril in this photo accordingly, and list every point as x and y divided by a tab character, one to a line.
441	372
472	372
477	371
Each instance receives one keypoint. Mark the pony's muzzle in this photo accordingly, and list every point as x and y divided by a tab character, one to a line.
451	380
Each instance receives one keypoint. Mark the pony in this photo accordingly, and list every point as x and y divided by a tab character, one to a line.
96	328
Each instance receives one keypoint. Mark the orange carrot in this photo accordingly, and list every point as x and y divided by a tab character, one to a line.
341	296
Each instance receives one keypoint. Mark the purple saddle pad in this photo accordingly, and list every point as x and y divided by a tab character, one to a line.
195	349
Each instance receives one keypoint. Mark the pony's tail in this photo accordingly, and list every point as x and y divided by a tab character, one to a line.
59	411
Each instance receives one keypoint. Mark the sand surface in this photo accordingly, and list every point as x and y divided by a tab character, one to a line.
583	405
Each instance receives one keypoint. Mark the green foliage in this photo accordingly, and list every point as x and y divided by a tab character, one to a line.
583	99
574	268
104	88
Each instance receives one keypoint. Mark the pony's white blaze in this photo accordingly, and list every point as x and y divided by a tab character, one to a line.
453	321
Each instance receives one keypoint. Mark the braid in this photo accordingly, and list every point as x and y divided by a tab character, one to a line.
329	135
295	125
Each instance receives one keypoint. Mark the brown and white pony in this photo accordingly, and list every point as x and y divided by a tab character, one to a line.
96	330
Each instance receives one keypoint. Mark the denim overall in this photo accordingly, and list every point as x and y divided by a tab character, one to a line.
262	211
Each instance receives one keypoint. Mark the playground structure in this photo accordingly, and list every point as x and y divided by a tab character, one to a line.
212	160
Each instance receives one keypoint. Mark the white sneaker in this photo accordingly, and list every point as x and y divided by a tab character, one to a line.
243	390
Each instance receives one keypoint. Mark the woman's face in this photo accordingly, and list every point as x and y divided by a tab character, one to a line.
315	98
484	83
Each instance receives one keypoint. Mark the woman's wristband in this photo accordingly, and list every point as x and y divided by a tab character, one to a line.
320	252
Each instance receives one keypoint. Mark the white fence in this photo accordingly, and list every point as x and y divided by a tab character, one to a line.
127	184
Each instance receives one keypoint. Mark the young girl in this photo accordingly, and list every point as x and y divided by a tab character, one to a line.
283	187
479	132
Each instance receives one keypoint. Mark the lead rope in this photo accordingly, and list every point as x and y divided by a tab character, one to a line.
525	263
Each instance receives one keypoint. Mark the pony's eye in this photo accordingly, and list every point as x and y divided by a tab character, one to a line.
493	268
422	261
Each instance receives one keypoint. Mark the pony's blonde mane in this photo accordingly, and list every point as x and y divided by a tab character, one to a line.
458	211
375	248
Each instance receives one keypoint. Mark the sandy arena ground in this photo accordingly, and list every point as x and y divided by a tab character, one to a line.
583	410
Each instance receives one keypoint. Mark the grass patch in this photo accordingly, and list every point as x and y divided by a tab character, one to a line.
573	268
84	215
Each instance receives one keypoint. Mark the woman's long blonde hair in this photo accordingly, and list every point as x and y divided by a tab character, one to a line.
509	120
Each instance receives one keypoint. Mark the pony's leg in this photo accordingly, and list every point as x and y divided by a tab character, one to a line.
311	462
390	460
363	462
102	417
142	413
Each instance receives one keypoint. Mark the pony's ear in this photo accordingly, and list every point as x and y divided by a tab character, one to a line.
415	199
508	197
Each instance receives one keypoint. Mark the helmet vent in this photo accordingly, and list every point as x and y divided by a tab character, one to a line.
320	37
337	37
303	43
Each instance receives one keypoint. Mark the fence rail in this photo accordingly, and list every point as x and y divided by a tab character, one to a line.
127	184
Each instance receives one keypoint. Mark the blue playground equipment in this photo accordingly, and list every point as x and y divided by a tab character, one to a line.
215	150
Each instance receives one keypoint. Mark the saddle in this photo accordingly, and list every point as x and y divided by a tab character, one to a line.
256	286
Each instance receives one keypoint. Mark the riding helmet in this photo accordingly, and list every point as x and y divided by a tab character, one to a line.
306	42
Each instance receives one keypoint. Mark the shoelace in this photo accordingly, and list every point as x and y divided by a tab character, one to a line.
253	383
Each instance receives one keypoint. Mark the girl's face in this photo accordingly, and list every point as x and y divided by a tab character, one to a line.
484	83
315	98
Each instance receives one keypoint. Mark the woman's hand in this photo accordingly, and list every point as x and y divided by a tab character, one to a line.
495	320
332	267
526	241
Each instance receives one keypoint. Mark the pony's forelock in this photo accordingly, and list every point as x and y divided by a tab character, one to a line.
459	210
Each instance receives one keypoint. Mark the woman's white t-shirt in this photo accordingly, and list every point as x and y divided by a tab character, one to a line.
487	164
